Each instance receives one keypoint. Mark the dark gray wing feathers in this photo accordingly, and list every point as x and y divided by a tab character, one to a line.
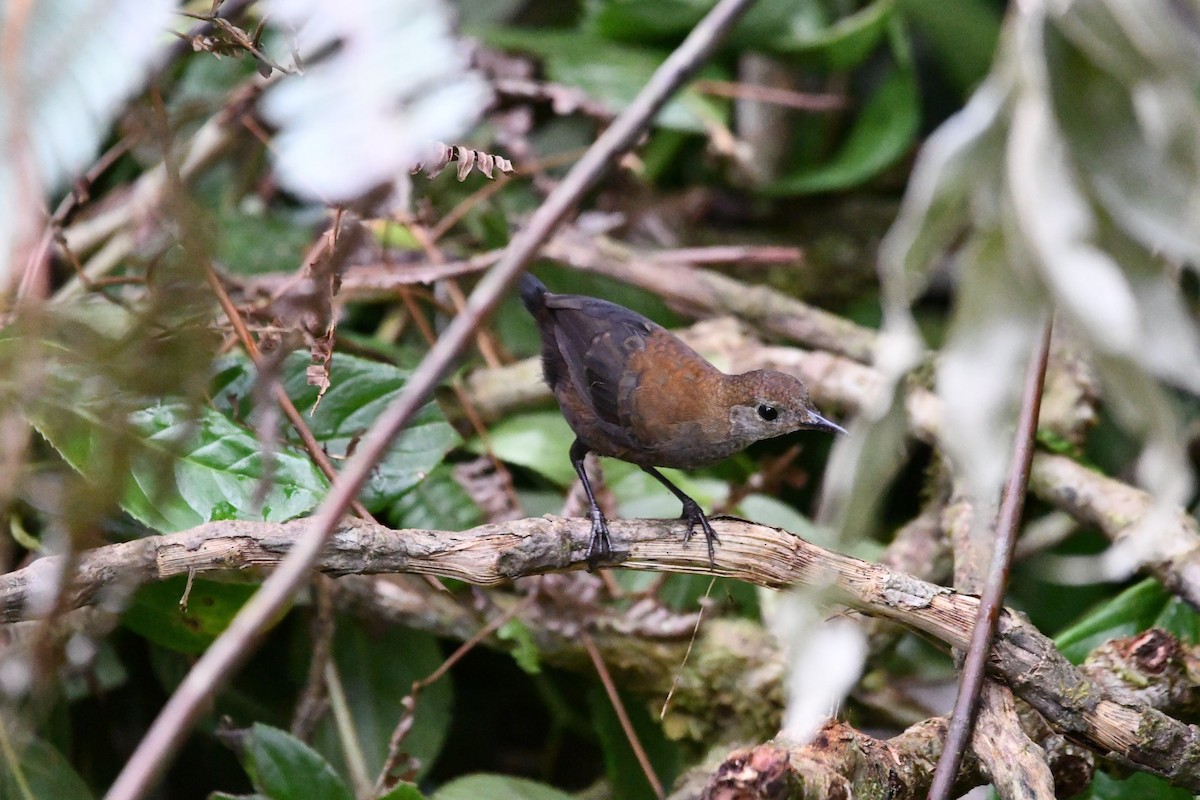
596	339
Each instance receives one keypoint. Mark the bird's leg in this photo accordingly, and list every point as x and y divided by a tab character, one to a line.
600	546
692	513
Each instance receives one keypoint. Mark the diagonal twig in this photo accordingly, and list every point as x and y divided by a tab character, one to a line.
166	734
631	736
1008	523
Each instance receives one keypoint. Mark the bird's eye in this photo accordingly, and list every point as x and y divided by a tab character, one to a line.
769	413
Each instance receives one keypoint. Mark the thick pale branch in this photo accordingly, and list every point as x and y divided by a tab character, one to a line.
491	554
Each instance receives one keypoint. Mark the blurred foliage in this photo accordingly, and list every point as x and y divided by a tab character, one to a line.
1069	178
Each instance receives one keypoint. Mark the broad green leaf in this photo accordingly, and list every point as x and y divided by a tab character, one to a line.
41	773
155	613
882	132
806	28
1180	619
608	72
1137	786
359	391
1133	610
964	41
250	238
284	768
683	592
214	468
497	787
404	791
537	441
845	43
377	671
640	495
438	503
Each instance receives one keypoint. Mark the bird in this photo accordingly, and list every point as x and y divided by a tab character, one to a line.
632	390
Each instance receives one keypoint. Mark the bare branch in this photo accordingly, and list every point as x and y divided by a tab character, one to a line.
1024	659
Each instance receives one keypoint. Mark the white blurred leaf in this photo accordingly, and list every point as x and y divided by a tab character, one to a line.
68	66
981	369
382	81
824	658
1070	181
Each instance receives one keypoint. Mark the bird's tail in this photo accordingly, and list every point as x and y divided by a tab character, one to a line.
533	293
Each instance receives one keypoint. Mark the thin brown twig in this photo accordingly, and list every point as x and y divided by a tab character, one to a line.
229	10
804	101
405	725
466	404
455	215
687	653
314	449
1008	524
483	339
149	760
741	254
610	689
67	206
314	697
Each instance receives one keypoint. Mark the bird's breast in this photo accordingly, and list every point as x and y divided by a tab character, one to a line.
677	418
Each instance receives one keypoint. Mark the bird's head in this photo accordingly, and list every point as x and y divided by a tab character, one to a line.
765	403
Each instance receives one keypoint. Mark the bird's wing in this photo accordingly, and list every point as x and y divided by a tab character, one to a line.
596	339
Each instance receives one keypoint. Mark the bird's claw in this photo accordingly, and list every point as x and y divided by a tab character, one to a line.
694	515
600	545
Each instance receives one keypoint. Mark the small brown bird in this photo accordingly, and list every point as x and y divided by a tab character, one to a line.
632	390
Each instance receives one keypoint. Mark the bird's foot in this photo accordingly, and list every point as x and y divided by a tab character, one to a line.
600	546
694	515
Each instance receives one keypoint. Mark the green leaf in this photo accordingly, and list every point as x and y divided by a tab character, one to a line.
841	45
808	28
155	613
883	132
1180	619
359	391
1137	786
41	773
640	495
439	503
525	650
964	41
538	441
497	787
404	791
284	768
1133	610
253	241
608	72
214	468
377	672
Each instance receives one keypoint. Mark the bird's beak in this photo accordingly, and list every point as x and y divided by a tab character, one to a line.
818	423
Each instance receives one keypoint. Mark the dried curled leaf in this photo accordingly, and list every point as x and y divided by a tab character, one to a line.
467	159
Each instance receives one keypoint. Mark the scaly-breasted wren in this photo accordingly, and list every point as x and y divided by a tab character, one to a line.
632	390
